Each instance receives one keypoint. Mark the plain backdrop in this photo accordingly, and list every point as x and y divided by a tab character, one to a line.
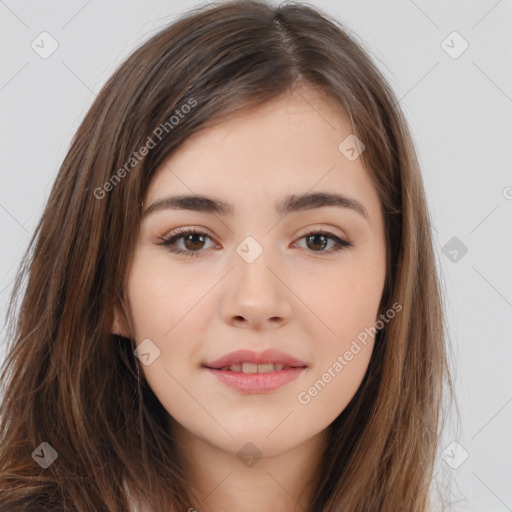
456	91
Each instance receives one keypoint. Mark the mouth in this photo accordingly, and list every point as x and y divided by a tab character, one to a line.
251	372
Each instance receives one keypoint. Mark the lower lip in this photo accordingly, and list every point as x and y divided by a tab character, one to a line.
257	382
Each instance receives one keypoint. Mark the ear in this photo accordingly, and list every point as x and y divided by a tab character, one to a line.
119	322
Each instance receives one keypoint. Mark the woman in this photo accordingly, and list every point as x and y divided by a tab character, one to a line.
231	298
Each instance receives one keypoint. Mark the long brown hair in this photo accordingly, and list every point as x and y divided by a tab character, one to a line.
72	384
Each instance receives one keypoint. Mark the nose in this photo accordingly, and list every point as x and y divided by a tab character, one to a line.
257	294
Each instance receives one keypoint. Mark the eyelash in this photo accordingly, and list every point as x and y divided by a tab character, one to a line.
181	233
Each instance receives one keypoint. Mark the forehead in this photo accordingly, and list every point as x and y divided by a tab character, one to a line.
286	146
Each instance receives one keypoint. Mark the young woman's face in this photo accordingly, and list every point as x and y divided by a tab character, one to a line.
269	274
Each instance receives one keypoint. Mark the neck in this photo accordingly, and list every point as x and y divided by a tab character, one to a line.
221	480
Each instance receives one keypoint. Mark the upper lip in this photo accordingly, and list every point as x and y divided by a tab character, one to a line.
249	356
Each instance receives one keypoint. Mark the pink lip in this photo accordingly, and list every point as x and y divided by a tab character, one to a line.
257	382
249	356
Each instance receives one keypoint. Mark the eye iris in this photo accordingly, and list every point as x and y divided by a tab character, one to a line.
315	237
189	238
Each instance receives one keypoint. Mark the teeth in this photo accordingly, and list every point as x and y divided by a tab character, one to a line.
250	368
265	368
255	368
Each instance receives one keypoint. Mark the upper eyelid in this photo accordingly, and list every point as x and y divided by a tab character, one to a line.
205	231
181	232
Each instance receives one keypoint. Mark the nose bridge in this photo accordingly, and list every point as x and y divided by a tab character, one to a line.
254	261
256	293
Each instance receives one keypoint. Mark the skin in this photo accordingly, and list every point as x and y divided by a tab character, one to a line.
299	297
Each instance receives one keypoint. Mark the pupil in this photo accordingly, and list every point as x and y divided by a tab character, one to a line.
313	237
189	239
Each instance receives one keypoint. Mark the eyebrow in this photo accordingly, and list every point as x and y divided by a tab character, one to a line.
290	204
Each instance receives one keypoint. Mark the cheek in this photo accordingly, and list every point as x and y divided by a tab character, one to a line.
344	301
343	348
160	298
161	309
167	306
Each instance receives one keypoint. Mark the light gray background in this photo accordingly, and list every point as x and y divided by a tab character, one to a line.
460	112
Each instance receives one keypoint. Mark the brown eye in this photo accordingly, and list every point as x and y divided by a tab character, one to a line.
318	241
193	242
